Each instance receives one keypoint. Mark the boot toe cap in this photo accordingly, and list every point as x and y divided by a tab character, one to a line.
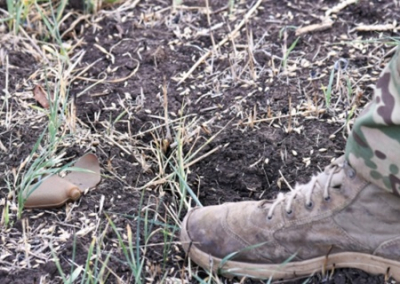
204	229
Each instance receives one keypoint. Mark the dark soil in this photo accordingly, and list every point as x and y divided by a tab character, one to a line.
247	165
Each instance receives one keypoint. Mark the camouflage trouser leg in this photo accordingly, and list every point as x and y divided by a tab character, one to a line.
373	147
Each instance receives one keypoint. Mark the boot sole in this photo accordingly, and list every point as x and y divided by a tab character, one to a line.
291	270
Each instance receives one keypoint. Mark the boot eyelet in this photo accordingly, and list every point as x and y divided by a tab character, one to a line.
351	173
269	217
310	205
328	198
289	212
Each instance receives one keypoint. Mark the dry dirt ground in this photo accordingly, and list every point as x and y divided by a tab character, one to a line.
255	108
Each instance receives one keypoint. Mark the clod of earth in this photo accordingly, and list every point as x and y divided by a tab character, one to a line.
55	191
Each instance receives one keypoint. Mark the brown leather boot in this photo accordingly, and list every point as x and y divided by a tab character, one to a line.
336	220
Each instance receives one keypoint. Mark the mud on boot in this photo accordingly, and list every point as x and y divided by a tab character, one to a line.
338	220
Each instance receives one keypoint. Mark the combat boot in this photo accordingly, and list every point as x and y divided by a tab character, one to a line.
336	220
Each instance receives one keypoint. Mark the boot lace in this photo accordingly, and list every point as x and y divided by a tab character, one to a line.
322	180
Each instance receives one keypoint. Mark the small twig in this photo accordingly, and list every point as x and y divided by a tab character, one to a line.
286	182
118	80
103	50
168	135
284	52
378	28
283	116
250	48
222	42
226	7
339	7
326	21
202	157
209	108
73	24
27	247
34	45
324	25
128	5
209	25
290	114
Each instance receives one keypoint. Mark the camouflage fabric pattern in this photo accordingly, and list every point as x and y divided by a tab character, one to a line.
373	147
